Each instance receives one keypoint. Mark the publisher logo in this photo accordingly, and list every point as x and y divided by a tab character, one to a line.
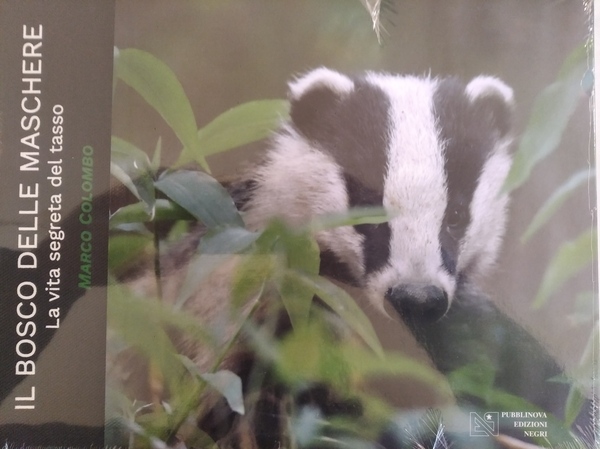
484	426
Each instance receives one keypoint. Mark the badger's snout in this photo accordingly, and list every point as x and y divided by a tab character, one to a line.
417	302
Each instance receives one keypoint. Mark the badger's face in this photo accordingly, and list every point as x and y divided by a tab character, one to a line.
433	152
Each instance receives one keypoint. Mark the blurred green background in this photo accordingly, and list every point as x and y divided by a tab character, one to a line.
226	52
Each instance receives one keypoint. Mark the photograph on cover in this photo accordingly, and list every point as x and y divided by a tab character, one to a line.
369	270
337	224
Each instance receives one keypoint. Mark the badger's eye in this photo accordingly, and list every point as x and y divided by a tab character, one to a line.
456	221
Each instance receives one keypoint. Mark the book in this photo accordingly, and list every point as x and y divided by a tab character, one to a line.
297	224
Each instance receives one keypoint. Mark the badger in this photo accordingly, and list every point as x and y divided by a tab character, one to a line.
433	152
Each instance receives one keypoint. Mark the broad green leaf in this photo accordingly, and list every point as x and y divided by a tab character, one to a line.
128	312
368	364
251	274
230	386
239	126
302	255
344	305
551	113
202	196
138	213
297	298
139	324
556	200
474	377
570	258
353	217
223	381
314	354
302	251
159	86
131	166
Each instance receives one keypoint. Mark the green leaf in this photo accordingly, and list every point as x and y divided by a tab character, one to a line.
556	200
353	217
551	113
250	277
131	166
202	196
316	354
138	213
313	353
371	365
159	86
139	324
297	298
230	386
570	258
137	319
239	126
223	381
344	305
302	255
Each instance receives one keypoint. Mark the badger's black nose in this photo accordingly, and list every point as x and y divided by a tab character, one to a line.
417	302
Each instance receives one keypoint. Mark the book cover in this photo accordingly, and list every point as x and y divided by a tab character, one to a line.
343	224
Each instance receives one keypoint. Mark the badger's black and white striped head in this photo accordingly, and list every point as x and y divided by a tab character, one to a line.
433	152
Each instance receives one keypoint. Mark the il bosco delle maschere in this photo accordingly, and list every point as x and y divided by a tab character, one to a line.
29	189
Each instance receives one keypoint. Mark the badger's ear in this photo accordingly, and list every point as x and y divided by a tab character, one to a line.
314	98
493	101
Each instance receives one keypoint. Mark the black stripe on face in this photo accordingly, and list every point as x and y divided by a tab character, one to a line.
376	243
352	128
468	137
332	267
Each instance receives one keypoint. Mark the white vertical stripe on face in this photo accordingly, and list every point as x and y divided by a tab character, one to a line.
415	186
488	214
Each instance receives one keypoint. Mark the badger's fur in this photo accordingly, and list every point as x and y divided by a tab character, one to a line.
433	152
